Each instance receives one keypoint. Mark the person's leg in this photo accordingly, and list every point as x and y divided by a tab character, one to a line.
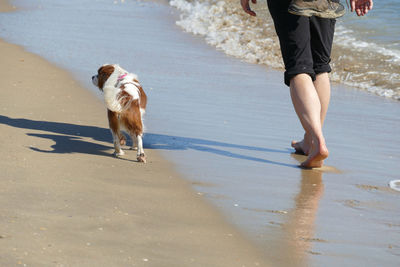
323	89
322	32
308	108
305	55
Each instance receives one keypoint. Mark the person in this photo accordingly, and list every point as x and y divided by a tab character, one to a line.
329	9
306	44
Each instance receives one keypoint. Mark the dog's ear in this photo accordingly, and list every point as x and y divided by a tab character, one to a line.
104	73
106	69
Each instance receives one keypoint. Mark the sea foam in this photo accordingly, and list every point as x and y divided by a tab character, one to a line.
357	63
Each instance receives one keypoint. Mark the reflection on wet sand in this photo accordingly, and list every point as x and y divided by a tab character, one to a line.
300	226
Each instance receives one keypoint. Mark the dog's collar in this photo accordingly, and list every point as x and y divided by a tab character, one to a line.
121	77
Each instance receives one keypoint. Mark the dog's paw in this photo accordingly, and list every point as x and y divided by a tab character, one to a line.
141	158
133	148
120	153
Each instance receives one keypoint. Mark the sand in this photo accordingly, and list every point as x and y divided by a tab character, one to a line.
344	214
6	7
66	201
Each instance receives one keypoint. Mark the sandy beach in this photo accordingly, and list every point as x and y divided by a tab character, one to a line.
66	201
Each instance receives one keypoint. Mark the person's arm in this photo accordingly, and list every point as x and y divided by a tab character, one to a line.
360	6
246	6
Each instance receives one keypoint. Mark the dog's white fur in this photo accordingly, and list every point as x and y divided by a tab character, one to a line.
112	88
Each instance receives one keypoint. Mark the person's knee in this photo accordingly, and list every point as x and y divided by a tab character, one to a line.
299	77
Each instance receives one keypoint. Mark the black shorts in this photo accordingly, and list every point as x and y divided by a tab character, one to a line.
306	42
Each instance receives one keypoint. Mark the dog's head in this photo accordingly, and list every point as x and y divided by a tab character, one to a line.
103	73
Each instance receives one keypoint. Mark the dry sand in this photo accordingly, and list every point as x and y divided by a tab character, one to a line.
65	201
5	6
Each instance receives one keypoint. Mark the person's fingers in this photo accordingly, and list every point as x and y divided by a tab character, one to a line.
252	13
249	11
366	8
361	7
371	4
246	7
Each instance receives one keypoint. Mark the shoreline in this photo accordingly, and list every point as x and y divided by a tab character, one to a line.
63	194
67	201
247	178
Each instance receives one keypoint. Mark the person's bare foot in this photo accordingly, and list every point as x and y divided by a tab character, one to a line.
315	159
302	147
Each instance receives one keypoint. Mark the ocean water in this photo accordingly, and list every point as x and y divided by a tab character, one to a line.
366	53
227	124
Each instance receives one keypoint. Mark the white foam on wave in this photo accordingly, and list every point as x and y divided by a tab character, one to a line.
366	65
228	28
346	37
395	185
225	25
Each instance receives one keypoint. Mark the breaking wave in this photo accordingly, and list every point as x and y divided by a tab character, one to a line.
357	63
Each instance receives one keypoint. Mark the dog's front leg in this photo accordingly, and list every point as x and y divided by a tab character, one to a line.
113	121
134	142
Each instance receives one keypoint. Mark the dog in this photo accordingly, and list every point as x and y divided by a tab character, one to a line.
126	102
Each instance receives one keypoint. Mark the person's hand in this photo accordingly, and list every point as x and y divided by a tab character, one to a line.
246	6
360	6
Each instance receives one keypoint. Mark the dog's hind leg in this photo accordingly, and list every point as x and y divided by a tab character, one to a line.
140	151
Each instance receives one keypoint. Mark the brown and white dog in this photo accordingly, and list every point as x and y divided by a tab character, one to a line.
126	104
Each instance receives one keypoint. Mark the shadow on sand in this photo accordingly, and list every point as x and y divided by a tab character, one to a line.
68	138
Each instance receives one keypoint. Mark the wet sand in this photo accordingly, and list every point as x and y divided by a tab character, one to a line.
6	7
66	201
